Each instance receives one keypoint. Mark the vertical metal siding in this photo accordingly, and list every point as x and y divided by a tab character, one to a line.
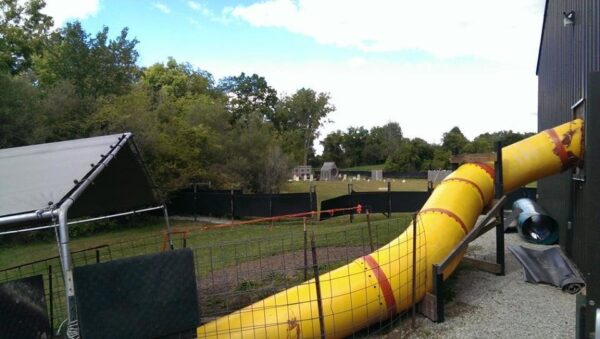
567	56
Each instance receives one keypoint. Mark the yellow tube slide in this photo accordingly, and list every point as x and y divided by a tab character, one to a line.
378	285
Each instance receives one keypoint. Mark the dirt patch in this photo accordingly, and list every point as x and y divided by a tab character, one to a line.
229	289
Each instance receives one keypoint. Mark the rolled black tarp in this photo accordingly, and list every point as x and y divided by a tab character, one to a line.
549	266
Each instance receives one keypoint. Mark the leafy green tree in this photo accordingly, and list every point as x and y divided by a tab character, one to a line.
441	158
354	143
300	117
23	31
177	80
506	137
96	66
478	145
177	151
248	95
414	155
454	140
381	142
253	158
62	114
333	149
18	104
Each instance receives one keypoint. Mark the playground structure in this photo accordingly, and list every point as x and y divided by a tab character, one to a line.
379	285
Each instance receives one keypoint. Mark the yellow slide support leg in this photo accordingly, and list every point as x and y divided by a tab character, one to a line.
374	287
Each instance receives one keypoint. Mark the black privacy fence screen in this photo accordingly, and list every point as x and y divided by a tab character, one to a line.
235	203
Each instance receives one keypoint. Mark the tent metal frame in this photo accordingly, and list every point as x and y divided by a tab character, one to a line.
60	212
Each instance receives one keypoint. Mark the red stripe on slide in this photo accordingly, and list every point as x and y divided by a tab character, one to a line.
448	213
559	148
489	169
384	283
471	183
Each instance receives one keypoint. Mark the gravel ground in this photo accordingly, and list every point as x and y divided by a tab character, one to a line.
488	306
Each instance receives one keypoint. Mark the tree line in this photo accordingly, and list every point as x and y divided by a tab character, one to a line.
358	146
66	83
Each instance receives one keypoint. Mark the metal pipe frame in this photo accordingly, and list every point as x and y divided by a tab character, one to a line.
84	220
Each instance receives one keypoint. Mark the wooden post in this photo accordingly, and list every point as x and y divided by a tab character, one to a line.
389	188
305	252
231	205
370	231
51	298
351	202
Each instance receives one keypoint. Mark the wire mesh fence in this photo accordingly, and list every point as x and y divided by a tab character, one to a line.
236	268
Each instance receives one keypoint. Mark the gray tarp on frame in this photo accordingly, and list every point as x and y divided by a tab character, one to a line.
38	176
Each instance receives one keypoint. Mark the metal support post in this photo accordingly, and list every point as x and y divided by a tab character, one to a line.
51	298
317	285
166	213
67	269
499	189
414	272
438	281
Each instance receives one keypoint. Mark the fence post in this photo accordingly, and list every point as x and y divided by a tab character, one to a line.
318	286
414	271
351	202
51	297
231	205
97	256
438	281
305	252
195	202
389	187
370	231
166	214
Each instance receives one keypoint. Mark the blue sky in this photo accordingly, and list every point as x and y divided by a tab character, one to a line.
428	65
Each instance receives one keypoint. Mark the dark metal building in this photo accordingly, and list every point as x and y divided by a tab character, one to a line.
569	86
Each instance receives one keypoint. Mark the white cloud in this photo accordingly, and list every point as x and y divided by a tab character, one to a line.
63	10
490	29
356	62
481	77
162	7
427	99
197	6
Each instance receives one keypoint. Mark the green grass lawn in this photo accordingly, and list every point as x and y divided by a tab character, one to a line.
149	235
331	189
149	238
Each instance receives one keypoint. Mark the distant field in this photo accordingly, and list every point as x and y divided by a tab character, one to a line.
331	189
365	168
